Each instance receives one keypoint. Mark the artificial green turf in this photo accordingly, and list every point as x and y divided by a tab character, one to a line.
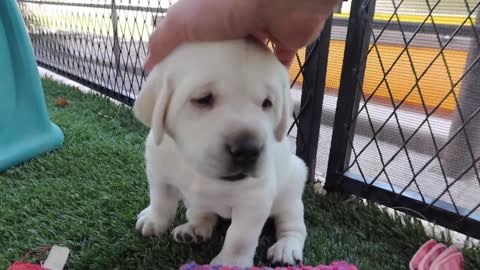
87	194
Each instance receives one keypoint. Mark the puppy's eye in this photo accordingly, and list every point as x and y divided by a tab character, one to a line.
205	101
267	104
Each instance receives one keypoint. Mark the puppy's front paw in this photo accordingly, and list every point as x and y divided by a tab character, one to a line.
286	251
190	232
231	261
150	223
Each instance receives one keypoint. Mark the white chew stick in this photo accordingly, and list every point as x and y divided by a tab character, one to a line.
57	258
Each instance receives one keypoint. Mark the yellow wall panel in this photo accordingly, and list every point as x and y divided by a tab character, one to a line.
434	85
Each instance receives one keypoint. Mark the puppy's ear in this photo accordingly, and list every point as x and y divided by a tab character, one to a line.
152	103
285	112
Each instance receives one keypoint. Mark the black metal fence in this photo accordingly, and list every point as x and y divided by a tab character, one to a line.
434	173
387	102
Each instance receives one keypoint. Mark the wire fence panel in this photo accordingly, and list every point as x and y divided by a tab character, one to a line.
413	137
99	43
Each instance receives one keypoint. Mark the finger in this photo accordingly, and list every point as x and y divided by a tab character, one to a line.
261	39
168	35
285	55
261	36
160	45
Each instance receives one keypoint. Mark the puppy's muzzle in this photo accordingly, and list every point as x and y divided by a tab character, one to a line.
244	152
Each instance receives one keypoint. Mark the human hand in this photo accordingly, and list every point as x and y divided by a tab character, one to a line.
289	25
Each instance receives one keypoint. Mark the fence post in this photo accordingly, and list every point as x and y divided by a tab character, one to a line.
313	89
457	155
116	43
353	70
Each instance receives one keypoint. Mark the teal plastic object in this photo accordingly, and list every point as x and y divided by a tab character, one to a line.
25	129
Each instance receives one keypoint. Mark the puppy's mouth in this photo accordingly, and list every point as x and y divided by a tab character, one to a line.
235	177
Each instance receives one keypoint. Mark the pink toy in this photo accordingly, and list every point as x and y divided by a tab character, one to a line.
435	256
332	266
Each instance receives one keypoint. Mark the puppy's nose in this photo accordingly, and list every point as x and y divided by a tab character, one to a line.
244	152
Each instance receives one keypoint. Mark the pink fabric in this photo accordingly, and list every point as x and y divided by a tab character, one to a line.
428	259
449	251
420	254
451	262
435	256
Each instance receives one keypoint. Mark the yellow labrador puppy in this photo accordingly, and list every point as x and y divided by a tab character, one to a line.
218	113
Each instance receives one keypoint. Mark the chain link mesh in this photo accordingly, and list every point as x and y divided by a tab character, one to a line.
417	128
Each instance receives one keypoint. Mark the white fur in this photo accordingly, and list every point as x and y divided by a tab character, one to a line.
185	150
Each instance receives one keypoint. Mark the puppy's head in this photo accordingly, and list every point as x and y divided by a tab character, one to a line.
224	104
